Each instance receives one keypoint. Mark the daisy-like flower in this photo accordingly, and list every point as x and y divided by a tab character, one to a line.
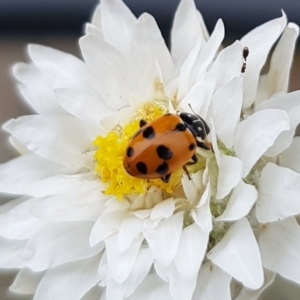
81	228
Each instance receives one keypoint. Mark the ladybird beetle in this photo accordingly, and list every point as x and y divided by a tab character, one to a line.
165	145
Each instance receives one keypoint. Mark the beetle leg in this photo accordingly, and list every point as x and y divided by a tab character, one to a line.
166	178
206	146
187	172
194	160
142	123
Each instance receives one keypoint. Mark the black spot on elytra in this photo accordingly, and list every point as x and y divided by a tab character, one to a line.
180	127
162	169
129	151
149	133
164	152
192	146
141	167
142	123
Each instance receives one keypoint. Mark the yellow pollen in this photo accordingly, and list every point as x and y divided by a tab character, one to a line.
110	152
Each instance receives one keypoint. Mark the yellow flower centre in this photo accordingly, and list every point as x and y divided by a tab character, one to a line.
110	152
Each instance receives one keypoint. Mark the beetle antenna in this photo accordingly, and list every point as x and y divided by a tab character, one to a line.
189	104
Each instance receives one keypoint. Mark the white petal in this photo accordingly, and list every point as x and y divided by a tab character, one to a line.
59	243
248	294
140	270
279	244
164	239
230	173
111	69
88	190
20	147
103	270
180	288
291	104
107	224
148	75
185	31
143	213
58	209
259	41
190	190
208	52
163	271
121	264
240	203
197	179
212	282
152	288
11	203
36	90
97	17
163	209
103	296
117	21
112	205
203	27
200	95
93	294
60	184
229	64
129	230
238	254
202	214
62	69
214	141
148	45
11	253
193	97
277	79
191	251
124	115
71	280
26	281
289	157
19	223
226	109
153	197
63	139
18	174
257	133
82	105
92	29
149	224
185	70
114	290
278	194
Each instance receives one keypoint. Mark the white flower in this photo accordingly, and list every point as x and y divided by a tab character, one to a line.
81	228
